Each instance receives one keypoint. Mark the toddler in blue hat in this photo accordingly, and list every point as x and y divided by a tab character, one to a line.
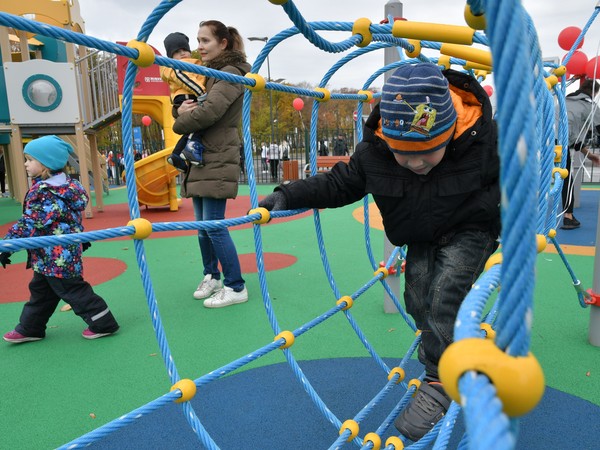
53	206
429	159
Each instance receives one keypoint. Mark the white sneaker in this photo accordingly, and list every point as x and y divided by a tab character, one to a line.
208	286
226	297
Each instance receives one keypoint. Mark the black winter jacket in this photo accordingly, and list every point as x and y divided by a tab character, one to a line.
461	192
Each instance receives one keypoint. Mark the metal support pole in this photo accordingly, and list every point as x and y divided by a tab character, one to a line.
393	8
594	334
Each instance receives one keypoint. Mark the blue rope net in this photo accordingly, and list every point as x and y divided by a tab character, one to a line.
530	202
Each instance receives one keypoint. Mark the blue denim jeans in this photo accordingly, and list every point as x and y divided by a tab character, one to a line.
438	277
216	246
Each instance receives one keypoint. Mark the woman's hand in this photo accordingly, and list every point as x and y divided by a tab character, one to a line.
186	106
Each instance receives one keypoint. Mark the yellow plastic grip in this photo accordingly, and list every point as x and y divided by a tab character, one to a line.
396	442
349	302
187	388
145	53
352	426
265	215
455	34
362	27
326	94
399	371
476	22
369	95
382	270
496	258
416	48
467	53
143	228
519	380
287	336
259	82
374	439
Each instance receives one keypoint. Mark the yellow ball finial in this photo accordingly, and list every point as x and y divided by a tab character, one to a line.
143	228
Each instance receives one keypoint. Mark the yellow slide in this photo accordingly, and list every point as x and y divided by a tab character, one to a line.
155	181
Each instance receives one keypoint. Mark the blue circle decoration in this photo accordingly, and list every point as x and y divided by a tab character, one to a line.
42	93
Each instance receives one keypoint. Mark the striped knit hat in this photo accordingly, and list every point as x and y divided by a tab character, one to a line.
417	114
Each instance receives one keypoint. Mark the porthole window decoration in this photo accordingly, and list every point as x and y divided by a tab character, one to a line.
42	93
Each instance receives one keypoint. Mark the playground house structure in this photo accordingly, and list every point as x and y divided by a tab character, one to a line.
49	86
497	373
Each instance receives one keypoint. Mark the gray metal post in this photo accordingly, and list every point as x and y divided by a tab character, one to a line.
577	171
393	8
595	309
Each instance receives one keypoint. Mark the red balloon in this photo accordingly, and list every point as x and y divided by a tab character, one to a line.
592	68
488	90
146	120
568	36
298	104
577	63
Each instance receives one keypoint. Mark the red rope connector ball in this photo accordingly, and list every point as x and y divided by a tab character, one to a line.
595	298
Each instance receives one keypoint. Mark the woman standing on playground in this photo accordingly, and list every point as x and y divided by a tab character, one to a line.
210	186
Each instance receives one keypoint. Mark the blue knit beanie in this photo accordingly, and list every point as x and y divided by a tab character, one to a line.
51	151
417	113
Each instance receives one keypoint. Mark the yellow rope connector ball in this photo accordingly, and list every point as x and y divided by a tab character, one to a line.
326	94
541	243
374	439
145	53
396	442
519	380
558	153
143	228
551	81
490	333
552	233
444	61
362	27
416	48
564	173
399	371
418	333
382	270
348	300
278	2
475	22
187	388
287	336
351	426
369	95
496	258
259	82
265	215
416	383
560	71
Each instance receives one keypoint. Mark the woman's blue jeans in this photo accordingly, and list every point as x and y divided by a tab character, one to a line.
216	246
438	277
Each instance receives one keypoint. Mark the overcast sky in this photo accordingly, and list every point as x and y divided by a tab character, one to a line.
296	60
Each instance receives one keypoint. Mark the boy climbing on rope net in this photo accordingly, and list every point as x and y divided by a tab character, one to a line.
429	159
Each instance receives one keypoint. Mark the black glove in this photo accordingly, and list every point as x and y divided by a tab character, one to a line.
274	202
5	259
85	246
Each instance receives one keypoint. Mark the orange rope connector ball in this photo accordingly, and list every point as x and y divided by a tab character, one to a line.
369	95
374	439
287	336
143	228
474	21
396	442
187	388
265	215
145	53
326	94
519	380
595	298
259	82
362	27
346	299
351	426
397	371
416	48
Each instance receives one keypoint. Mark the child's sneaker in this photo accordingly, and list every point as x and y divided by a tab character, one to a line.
226	297
193	152
17	338
178	162
207	287
89	334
